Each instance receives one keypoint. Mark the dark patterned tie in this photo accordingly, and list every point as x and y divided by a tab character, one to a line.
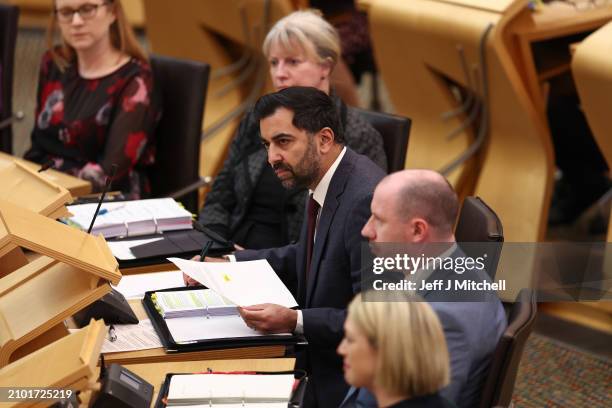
313	209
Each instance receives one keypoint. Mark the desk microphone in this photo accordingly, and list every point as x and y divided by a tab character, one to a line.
112	307
49	164
109	180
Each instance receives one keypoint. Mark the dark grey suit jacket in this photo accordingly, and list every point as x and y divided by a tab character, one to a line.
335	272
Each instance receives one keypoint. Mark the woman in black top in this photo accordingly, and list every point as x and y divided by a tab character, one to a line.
94	106
247	203
396	349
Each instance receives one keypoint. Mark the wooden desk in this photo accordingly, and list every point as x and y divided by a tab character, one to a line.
162	267
155	373
159	355
77	187
544	41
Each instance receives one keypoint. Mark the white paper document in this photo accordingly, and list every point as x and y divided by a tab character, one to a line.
130	337
192	329
243	283
222	389
135	286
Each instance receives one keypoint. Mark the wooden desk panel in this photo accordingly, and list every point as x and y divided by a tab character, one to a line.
158	355
163	267
155	373
77	187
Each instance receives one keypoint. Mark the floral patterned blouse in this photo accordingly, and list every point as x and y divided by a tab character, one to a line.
86	125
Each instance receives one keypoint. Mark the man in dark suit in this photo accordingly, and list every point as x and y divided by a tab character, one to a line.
300	129
418	208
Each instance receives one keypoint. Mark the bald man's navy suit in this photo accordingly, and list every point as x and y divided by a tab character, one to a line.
334	276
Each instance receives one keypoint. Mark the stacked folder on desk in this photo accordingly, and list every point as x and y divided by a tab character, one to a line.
132	218
146	232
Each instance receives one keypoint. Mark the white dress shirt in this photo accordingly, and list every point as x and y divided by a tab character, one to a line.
319	194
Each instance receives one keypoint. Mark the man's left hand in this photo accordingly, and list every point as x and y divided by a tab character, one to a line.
269	318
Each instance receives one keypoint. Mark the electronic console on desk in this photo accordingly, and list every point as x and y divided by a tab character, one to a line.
121	388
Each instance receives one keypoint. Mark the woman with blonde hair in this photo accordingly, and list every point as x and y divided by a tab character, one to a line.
396	349
247	203
94	106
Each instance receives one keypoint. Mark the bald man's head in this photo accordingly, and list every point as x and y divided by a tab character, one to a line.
425	194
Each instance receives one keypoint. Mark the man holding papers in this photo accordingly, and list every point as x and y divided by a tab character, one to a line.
300	129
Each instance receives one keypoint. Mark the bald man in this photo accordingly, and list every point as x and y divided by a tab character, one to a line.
419	207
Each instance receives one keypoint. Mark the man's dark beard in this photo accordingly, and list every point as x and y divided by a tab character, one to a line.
305	172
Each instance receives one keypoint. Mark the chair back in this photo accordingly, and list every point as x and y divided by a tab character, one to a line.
181	85
478	223
8	36
499	385
395	131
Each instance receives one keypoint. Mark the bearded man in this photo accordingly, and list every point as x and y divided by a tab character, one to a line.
301	131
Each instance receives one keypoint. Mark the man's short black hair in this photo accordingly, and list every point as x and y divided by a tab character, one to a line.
312	109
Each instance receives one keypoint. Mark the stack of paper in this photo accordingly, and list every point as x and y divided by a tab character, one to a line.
131	337
132	218
232	389
188	303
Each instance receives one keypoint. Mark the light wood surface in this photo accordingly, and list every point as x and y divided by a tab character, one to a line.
45	236
162	267
596	315
155	373
159	354
592	71
29	189
69	363
516	160
69	272
76	186
547	26
12	260
52	291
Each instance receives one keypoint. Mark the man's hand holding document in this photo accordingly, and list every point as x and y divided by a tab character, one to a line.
264	301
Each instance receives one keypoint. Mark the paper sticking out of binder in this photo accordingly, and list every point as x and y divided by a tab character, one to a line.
188	303
243	283
132	218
